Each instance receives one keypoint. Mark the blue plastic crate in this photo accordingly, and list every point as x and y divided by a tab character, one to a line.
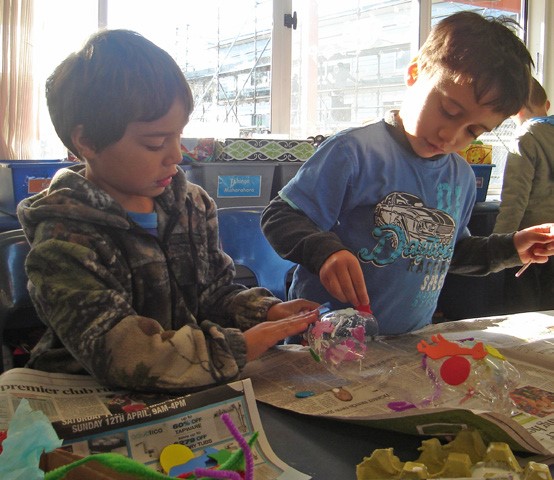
234	184
20	179
284	171
482	178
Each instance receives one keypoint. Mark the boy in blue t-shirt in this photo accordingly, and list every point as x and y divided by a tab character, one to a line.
382	210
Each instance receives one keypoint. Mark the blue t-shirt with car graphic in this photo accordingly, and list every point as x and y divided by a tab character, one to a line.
399	213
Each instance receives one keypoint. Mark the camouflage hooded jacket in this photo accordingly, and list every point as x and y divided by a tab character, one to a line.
135	310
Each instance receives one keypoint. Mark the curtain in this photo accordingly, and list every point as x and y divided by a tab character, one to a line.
18	132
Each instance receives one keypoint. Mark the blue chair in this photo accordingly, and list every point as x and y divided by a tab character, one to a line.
17	314
243	240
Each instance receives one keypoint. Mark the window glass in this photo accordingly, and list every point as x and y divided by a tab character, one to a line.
495	8
348	62
60	27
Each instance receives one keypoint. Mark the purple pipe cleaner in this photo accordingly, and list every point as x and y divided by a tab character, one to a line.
248	457
225	474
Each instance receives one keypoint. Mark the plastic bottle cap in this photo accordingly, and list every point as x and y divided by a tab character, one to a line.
364	308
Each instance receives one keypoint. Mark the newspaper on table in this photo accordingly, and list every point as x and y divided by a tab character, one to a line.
525	340
91	418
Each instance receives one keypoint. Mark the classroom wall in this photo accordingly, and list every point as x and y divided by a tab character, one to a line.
539	42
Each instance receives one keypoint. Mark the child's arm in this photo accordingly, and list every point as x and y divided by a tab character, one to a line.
294	236
265	335
478	256
483	255
342	277
290	308
94	327
535	244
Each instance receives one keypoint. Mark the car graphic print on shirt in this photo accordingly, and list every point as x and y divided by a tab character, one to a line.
405	228
418	222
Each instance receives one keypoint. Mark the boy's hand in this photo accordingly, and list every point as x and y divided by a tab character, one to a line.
292	307
343	278
263	336
535	244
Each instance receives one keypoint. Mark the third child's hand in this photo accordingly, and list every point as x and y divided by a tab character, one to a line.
343	278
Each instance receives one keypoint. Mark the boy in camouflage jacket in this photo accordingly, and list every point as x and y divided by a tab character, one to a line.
125	267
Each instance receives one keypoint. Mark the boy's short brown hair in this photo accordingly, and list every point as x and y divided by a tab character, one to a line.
118	77
484	52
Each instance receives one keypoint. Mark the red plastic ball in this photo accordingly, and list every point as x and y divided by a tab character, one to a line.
455	370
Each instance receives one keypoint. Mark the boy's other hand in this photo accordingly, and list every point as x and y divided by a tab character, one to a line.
265	335
292	307
342	276
535	244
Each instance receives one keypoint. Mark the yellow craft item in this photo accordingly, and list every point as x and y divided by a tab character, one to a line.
173	455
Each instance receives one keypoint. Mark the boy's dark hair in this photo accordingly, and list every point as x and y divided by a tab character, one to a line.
118	77
484	52
537	95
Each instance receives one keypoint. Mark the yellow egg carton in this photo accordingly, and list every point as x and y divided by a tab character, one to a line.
466	457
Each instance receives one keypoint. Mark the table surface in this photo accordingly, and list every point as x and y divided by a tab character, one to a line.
329	449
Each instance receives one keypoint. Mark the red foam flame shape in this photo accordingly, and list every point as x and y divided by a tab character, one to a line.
445	348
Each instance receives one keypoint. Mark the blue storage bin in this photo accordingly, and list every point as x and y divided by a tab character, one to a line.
20	179
482	178
234	184
284	171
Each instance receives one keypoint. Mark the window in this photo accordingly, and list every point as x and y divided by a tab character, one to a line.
347	59
60	27
348	62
